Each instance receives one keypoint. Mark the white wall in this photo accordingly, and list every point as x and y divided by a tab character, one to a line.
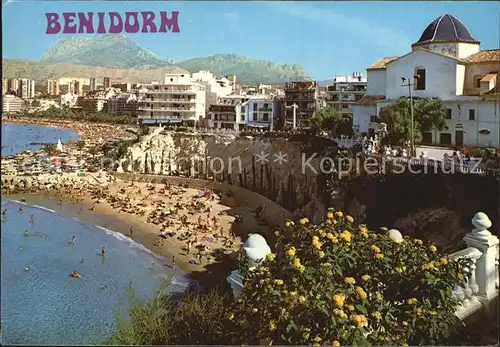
466	49
376	82
477	70
440	75
361	117
460	79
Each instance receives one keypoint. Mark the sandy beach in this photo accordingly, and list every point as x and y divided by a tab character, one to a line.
201	233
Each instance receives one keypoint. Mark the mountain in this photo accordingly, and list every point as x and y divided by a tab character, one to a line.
116	51
43	71
246	70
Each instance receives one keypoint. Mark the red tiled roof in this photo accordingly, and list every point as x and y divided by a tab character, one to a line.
489	56
381	63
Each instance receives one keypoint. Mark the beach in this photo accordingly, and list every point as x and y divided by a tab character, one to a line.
205	222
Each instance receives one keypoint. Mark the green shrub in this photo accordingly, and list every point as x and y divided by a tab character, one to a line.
337	283
191	320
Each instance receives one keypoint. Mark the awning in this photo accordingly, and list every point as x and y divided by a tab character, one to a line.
258	125
159	121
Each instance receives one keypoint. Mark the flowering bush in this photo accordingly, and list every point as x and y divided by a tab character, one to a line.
338	283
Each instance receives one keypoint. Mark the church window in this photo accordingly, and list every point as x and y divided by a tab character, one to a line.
420	79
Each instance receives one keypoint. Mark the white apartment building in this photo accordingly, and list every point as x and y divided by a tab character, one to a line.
449	65
12	104
26	88
344	92
178	100
214	87
68	99
125	103
227	113
53	87
260	112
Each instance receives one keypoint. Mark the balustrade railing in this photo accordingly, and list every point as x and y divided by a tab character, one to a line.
480	283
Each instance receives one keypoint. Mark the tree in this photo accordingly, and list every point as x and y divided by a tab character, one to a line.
49	148
80	145
93	151
342	284
428	115
327	119
35	103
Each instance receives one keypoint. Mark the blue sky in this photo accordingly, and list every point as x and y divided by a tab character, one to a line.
326	38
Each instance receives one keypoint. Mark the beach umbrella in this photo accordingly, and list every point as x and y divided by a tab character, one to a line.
59	146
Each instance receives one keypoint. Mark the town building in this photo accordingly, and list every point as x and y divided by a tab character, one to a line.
445	63
124	103
214	87
68	99
11	85
5	83
344	92
124	87
95	101
53	87
92	84
303	96
76	87
227	113
179	100
12	104
26	88
106	82
260	112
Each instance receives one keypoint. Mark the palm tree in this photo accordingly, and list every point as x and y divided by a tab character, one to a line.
80	145
50	148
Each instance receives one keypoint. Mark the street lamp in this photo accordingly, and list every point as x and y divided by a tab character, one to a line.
409	85
295	107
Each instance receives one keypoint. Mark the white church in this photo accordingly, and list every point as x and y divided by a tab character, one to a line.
450	66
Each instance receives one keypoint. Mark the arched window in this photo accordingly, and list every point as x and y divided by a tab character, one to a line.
420	78
477	81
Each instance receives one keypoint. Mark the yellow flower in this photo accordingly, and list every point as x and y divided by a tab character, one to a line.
272	325
254	310
289	223
338	300
329	215
304	221
349	219
405	323
339	214
317	339
335	239
321	254
399	269
329	236
432	248
420	312
412	301
379	256
302	268
433	313
377	315
302	298
346	236
317	244
305	335
375	249
443	261
277	233
360	320
350	307
291	252
349	280
379	297
292	294
336	343
365	277
278	282
296	262
418	242
271	256
361	293
429	266
364	234
460	276
384	228
231	316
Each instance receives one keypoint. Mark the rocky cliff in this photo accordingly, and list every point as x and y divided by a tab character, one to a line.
234	160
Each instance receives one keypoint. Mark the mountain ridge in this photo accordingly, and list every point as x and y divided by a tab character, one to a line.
112	51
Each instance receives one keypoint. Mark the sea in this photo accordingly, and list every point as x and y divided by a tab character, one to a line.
40	302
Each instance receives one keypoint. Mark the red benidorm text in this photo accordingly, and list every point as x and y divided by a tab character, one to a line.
132	22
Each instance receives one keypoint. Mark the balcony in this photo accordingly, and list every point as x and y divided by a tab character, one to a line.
171	100
166	109
172	91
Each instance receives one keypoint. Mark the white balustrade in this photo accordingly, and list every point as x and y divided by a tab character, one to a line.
480	285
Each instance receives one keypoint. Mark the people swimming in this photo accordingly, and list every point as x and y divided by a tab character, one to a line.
21	248
103	251
20	209
153	267
73	240
131	231
75	274
26	233
82	261
26	269
32	219
4	213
